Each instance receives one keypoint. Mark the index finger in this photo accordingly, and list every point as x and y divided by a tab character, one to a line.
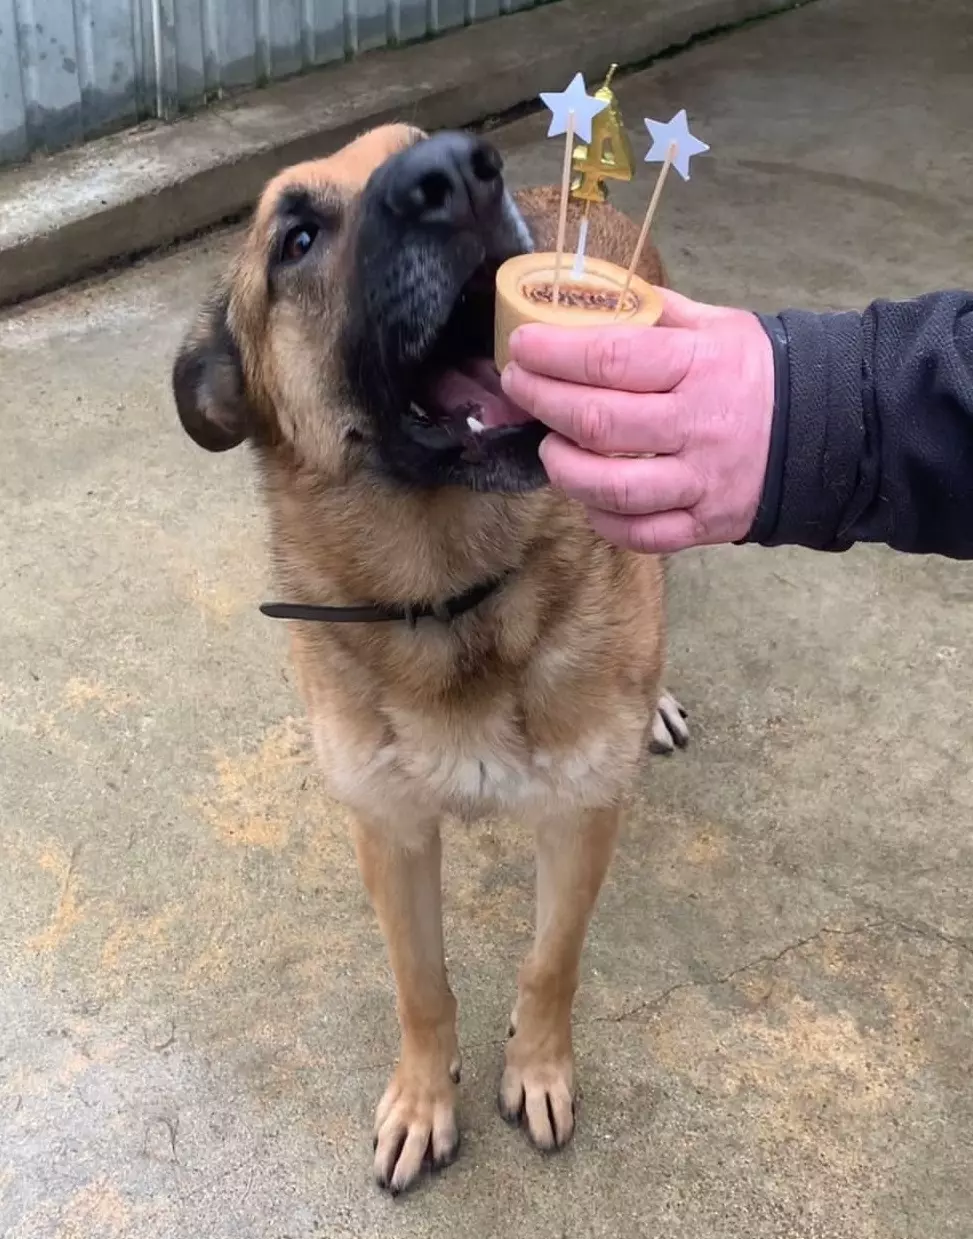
610	423
636	359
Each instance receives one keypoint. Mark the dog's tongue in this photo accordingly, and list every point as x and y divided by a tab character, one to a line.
473	391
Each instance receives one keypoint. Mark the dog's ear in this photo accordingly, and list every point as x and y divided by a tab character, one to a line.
208	383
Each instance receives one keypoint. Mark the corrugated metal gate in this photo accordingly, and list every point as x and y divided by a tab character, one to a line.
73	69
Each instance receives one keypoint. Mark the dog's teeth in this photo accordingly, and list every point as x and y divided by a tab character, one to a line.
475	425
418	411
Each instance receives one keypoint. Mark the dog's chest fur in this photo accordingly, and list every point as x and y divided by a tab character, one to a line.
480	763
536	703
559	731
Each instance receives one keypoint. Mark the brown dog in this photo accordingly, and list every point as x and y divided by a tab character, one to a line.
348	346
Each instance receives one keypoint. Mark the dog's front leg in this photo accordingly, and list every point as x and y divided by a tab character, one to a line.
416	1119
538	1082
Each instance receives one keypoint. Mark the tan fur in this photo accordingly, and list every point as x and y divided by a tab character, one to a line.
535	704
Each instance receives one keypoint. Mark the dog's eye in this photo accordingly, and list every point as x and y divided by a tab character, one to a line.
297	242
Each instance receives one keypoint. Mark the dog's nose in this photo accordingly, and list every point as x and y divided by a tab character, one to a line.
450	178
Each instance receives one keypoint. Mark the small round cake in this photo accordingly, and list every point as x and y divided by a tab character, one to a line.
525	294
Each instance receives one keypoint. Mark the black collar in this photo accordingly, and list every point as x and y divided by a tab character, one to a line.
444	611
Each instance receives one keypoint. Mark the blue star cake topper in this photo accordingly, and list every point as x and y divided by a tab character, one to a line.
573	112
575	99
675	133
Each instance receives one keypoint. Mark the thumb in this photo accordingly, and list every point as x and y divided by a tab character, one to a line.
680	311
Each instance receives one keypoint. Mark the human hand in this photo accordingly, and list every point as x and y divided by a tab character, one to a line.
696	392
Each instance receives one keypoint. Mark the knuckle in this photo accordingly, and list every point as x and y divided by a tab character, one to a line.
591	424
683	424
691	359
694	352
606	359
699	532
693	488
646	539
616	494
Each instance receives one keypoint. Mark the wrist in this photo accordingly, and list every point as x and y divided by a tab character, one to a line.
768	506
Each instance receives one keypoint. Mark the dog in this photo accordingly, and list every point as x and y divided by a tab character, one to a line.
515	661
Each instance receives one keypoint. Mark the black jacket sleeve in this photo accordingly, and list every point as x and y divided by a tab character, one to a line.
872	437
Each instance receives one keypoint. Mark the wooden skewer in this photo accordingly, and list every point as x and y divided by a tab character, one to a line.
646	225
562	222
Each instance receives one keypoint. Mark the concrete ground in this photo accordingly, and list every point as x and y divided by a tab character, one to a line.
774	1029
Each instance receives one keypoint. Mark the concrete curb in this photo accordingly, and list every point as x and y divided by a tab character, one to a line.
64	217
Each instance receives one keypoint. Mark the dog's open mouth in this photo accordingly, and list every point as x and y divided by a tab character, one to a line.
456	397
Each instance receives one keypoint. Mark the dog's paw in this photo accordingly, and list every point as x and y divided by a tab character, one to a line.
415	1126
669	727
540	1097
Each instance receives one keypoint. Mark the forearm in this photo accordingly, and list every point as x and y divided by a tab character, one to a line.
873	428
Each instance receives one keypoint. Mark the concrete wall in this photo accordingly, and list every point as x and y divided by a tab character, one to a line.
74	69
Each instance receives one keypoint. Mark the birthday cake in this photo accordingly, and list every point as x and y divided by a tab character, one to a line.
583	291
525	294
